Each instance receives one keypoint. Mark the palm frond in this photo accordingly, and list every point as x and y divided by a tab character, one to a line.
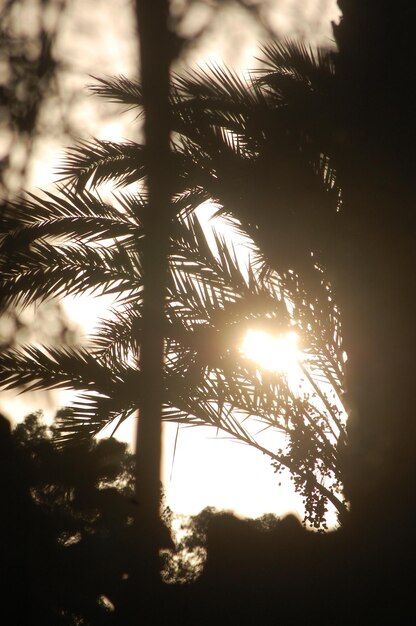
118	89
313	68
47	271
86	418
217	87
117	338
100	161
90	412
52	368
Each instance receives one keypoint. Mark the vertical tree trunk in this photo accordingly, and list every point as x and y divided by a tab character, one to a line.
152	18
375	276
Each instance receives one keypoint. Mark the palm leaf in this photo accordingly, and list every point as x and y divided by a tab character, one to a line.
99	162
52	368
118	89
47	271
312	68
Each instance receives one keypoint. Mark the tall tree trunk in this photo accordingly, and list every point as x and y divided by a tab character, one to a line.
152	19
375	277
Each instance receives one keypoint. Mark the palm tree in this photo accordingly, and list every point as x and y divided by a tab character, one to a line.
211	303
73	242
245	142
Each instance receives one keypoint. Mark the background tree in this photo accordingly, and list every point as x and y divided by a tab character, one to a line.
29	83
67	532
29	86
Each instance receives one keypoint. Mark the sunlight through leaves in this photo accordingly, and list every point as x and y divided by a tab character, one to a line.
276	353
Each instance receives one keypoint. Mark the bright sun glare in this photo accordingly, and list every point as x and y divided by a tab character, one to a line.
277	353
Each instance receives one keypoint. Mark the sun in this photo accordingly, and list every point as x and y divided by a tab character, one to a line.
276	353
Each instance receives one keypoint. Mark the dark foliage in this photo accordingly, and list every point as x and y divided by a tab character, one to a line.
67	534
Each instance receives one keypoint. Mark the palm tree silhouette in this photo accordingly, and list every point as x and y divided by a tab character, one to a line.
211	303
73	242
